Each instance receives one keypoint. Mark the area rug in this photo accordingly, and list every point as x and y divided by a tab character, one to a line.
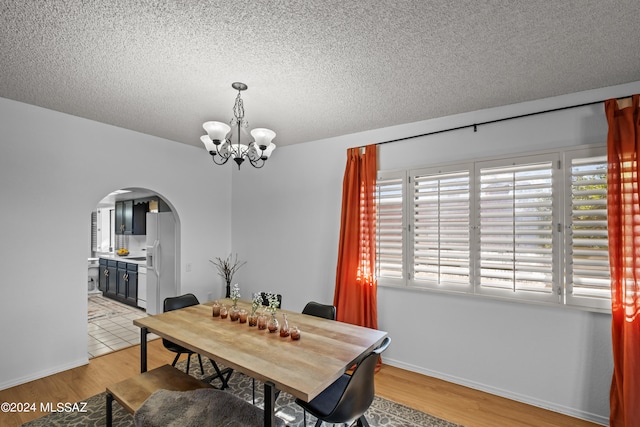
382	413
99	307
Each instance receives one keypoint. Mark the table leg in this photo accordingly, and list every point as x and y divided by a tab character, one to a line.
109	409
269	404
143	349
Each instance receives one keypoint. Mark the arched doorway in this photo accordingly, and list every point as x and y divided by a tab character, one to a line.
134	264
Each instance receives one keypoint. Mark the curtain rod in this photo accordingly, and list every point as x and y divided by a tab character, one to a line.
475	125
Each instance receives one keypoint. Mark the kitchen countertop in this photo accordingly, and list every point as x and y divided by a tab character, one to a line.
131	258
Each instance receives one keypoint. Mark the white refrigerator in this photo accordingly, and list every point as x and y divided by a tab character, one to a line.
161	260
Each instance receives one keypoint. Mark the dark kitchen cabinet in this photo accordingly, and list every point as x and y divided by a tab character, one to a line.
131	294
119	280
103	275
131	217
127	288
108	281
124	217
140	218
121	290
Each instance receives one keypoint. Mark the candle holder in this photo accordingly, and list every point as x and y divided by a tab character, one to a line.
262	321
215	309
234	313
295	333
253	319
243	315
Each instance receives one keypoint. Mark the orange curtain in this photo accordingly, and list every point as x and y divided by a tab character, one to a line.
623	145
355	295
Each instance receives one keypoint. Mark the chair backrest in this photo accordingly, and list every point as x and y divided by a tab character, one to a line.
265	301
181	301
360	390
175	303
320	310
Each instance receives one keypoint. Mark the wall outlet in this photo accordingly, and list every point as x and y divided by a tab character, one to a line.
188	267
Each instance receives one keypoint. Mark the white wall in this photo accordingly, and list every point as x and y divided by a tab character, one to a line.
286	220
54	169
286	223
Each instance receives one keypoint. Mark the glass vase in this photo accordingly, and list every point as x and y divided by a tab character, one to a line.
284	327
273	324
243	315
295	333
253	319
215	309
262	321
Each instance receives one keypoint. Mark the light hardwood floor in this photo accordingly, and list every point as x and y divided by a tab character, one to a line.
455	403
463	405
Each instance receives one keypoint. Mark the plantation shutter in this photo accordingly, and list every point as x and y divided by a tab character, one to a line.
440	228
516	227
527	228
94	231
588	274
390	227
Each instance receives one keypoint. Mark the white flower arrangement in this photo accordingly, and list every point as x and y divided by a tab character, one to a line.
256	303
235	294
273	302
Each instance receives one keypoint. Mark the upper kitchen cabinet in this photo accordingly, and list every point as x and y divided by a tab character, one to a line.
131	217
124	217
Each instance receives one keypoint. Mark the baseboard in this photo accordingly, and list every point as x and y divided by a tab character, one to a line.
551	406
44	373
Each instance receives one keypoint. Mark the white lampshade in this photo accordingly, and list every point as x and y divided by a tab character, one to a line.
263	136
208	144
217	131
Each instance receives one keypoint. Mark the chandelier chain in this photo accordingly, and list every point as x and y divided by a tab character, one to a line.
238	109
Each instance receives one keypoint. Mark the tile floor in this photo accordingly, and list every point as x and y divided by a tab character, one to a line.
111	326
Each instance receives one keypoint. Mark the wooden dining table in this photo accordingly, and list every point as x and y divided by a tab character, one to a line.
302	368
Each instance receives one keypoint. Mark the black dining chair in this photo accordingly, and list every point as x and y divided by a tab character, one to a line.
175	303
265	300
320	310
348	398
182	301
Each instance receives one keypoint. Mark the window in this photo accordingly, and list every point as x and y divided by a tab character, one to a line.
530	228
390	224
588	279
516	222
440	235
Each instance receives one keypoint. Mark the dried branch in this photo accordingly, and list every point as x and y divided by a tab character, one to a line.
227	267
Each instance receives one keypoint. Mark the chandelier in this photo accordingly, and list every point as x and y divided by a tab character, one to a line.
219	144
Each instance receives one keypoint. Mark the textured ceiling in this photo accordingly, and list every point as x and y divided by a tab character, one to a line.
315	69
